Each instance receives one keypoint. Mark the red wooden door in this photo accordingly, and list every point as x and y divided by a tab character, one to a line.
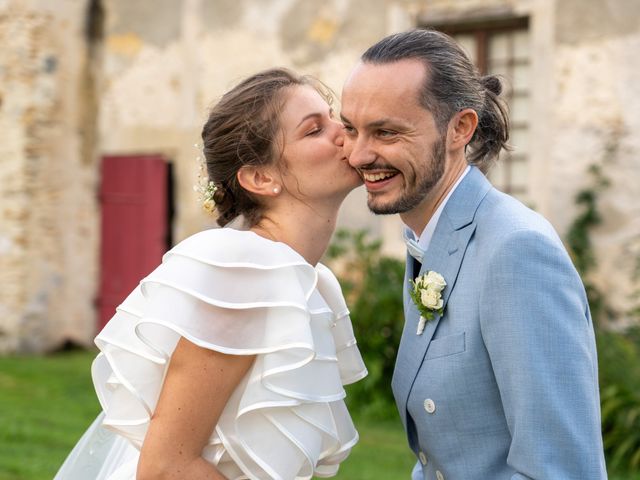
134	200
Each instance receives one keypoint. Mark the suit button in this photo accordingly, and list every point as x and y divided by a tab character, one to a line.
429	405
423	458
439	475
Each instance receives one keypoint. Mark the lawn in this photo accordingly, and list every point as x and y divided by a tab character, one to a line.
47	402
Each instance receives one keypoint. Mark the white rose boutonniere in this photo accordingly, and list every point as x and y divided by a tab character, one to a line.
426	293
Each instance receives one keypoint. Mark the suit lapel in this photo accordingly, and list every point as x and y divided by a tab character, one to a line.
444	255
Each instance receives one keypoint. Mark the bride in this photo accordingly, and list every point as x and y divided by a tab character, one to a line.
228	361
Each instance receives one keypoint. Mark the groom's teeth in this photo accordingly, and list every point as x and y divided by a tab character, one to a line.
375	177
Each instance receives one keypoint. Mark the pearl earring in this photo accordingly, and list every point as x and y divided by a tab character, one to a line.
276	190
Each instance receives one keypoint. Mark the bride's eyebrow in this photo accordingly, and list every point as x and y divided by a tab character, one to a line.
307	117
312	115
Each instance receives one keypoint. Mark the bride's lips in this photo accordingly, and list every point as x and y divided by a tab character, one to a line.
377	180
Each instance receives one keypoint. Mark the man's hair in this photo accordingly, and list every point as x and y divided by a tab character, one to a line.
452	84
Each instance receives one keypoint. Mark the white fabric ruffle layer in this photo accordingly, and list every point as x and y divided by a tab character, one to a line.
235	292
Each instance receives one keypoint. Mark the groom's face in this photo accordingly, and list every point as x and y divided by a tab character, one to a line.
391	139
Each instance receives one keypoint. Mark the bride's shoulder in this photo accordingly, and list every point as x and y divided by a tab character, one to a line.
331	289
231	247
327	275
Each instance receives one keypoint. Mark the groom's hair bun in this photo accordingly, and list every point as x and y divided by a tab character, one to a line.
492	83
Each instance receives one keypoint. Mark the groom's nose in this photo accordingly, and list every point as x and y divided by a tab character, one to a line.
358	151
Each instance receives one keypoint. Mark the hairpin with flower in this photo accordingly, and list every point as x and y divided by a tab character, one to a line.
204	187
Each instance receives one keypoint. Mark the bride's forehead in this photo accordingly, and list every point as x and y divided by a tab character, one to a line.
302	101
303	95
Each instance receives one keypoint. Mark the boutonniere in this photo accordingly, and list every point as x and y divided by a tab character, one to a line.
426	293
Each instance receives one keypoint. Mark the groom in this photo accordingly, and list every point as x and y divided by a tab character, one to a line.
496	376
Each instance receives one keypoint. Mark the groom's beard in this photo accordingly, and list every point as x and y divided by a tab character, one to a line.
426	178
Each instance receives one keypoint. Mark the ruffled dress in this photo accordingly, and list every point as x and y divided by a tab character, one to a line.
238	293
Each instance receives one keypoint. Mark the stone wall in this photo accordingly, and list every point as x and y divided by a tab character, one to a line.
47	180
596	100
583	90
158	84
90	78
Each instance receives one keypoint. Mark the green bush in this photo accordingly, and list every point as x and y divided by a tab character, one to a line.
618	352
619	361
621	426
372	284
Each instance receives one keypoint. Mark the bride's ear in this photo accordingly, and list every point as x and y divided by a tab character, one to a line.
259	180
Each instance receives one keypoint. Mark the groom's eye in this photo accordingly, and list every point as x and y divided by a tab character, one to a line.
386	133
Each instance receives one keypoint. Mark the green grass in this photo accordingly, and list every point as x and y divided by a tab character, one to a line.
47	402
381	453
45	405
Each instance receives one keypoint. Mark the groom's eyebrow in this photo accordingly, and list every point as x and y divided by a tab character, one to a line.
386	121
380	123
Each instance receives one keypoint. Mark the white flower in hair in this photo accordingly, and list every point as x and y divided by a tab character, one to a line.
204	187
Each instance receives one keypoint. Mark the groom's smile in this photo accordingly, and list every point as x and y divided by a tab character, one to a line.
376	179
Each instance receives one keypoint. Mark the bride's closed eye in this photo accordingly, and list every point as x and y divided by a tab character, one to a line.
314	131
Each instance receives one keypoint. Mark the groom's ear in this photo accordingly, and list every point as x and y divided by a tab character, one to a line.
461	128
259	180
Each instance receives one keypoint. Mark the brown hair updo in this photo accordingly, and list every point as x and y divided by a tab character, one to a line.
242	130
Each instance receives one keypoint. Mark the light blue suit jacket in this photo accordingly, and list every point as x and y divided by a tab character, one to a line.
504	385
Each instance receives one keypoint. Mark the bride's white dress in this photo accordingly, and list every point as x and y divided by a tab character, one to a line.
235	292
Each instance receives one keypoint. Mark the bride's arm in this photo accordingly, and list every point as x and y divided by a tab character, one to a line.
198	385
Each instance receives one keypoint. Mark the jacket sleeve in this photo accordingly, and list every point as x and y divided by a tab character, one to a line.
537	329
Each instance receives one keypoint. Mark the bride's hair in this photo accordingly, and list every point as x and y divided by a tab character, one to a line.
242	130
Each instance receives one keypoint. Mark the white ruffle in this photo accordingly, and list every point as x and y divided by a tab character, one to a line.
238	293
